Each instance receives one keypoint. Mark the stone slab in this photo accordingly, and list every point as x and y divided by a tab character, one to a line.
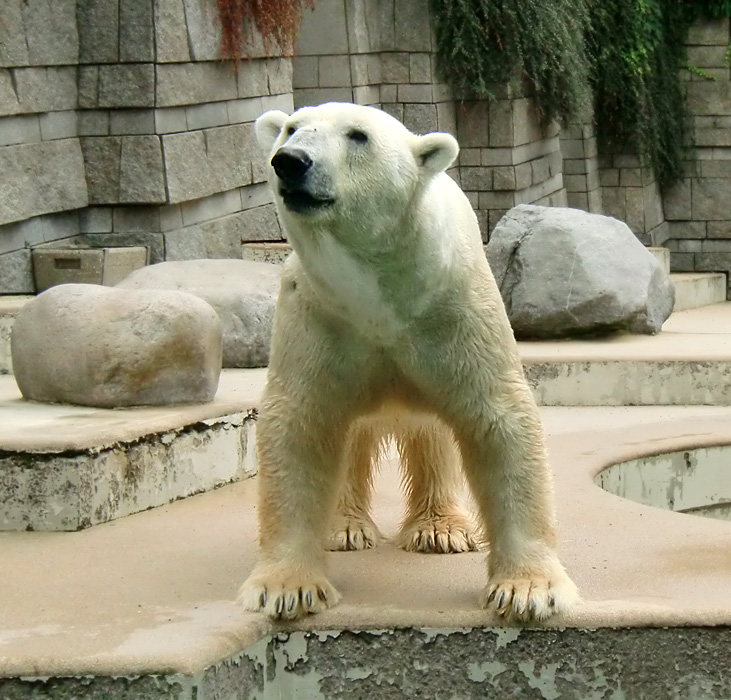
201	163
40	178
155	596
105	266
694	289
51	32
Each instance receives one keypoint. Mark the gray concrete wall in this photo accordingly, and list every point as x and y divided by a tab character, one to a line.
698	208
119	126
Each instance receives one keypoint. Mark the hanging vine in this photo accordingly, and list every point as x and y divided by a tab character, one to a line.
277	21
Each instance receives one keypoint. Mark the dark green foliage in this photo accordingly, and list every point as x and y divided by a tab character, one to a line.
638	51
484	42
627	54
711	9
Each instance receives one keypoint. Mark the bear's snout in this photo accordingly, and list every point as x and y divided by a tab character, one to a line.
291	165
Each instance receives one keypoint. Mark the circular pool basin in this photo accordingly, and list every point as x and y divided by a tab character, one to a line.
697	482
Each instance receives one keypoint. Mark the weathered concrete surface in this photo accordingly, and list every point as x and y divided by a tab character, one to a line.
694	289
462	664
689	481
9	308
151	593
687	364
566	273
77	489
98	346
243	293
69	467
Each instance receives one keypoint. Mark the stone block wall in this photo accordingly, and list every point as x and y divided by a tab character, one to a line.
507	156
581	166
120	126
381	52
630	192
698	208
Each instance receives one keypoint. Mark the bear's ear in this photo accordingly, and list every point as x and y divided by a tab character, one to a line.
435	152
268	126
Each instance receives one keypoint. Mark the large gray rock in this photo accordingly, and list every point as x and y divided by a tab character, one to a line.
565	272
99	346
242	292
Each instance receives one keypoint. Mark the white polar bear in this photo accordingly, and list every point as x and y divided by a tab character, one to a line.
387	304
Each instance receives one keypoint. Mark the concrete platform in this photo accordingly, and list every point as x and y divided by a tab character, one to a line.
696	289
141	607
70	467
688	363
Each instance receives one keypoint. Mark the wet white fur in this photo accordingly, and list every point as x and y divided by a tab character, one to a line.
388	305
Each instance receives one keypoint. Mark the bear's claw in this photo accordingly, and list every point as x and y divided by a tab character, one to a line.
286	598
440	535
530	599
354	534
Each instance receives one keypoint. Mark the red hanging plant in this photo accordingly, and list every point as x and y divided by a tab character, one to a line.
277	21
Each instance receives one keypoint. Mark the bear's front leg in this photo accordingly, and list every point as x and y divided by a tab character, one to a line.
470	372
505	461
299	450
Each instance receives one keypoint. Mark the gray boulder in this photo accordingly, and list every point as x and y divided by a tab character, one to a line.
98	346
242	292
565	272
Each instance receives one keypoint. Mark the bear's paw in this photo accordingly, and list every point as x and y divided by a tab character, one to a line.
354	534
530	598
443	534
286	593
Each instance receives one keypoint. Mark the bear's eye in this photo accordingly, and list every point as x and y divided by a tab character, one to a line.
358	136
291	130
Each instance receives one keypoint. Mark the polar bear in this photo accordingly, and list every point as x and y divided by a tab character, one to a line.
388	308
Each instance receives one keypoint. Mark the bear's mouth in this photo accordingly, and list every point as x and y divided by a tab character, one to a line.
302	202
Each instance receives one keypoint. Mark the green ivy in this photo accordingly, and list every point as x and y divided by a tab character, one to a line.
481	43
638	94
624	55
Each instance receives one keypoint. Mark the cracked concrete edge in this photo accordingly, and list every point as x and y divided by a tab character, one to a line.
456	663
77	489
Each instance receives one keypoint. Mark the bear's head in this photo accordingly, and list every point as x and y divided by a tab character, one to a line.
348	164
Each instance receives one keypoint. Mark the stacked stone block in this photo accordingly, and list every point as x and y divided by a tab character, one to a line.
381	52
698	208
120	126
581	167
630	193
373	52
41	163
508	156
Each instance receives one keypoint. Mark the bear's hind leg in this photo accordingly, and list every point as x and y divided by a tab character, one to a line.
434	521
352	527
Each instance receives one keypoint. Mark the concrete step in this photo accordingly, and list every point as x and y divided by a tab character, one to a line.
144	606
92	465
662	255
688	363
65	468
695	289
9	307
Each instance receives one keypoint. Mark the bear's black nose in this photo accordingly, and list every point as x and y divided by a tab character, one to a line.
291	164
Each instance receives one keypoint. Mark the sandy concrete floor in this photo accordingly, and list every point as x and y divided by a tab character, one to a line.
153	592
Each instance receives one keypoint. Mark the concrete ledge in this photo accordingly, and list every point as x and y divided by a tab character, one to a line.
150	595
694	289
70	467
